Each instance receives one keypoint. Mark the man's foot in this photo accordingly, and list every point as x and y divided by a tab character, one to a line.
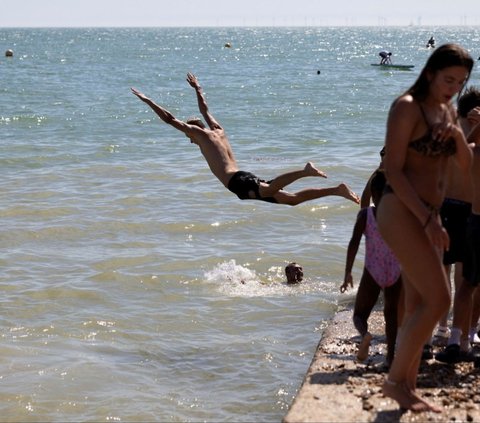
345	192
364	346
406	398
311	170
453	354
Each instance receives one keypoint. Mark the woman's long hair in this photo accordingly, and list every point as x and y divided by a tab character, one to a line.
443	57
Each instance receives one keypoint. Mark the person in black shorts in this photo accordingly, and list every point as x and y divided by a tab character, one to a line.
460	220
456	209
216	149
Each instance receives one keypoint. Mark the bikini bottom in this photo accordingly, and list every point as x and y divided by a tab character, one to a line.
434	210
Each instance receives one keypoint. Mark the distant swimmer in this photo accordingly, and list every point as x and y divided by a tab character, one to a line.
9	53
216	149
431	43
386	57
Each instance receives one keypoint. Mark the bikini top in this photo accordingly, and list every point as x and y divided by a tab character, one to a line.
429	147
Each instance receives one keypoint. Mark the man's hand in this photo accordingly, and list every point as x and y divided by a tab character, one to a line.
474	116
193	81
140	95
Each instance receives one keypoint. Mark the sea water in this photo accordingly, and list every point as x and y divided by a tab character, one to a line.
134	286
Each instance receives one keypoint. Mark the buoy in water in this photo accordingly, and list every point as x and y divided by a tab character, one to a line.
9	53
228	45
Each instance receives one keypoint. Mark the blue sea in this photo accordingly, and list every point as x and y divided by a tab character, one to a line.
134	286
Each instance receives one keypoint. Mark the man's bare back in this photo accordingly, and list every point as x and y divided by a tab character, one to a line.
218	153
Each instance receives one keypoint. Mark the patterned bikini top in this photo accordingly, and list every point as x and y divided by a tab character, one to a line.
427	146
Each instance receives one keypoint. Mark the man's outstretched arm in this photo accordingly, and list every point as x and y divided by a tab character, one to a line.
162	113
202	102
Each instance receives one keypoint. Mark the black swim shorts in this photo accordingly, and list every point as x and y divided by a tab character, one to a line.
471	264
246	186
454	214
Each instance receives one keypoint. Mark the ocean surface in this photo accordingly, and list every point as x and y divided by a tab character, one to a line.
134	286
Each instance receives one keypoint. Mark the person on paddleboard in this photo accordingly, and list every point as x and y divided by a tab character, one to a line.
386	57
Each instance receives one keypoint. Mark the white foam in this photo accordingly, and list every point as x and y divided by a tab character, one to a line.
234	280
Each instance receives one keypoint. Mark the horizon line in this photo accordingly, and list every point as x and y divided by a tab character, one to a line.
240	26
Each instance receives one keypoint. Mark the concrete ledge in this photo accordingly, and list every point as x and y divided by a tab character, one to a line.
337	388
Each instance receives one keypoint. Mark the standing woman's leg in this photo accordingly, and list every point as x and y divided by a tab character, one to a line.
427	297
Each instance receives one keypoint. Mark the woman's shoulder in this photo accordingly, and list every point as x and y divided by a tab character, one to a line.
405	100
405	105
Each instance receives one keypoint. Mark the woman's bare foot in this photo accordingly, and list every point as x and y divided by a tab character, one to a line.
311	170
406	398
346	192
364	346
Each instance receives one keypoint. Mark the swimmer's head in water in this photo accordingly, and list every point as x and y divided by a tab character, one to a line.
294	273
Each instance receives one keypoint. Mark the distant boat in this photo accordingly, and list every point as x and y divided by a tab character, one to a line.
392	66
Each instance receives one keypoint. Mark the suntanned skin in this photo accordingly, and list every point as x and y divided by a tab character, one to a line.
216	149
412	231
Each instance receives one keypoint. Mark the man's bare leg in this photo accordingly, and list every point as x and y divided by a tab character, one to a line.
281	181
308	194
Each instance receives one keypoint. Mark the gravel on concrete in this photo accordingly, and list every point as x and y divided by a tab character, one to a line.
337	388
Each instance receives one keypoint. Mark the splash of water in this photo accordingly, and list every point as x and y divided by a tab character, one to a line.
234	280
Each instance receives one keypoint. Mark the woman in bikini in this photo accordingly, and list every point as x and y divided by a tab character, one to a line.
422	135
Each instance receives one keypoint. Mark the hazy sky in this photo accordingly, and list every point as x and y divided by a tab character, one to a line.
47	13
